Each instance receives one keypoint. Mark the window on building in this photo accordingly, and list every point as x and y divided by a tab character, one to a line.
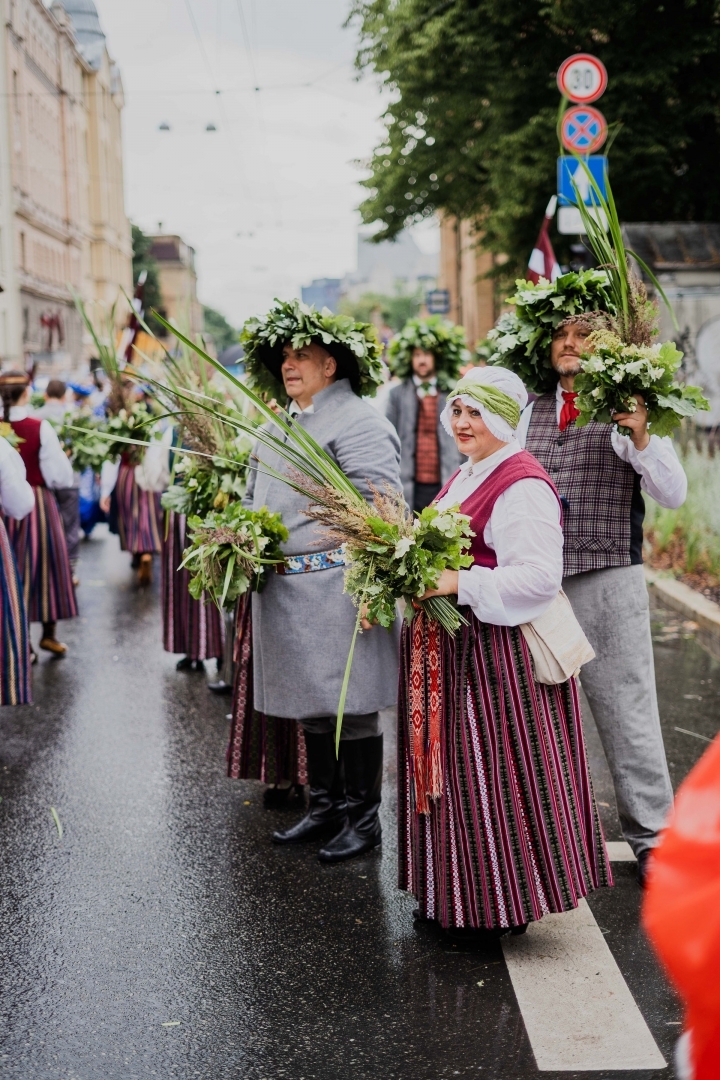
26	324
23	263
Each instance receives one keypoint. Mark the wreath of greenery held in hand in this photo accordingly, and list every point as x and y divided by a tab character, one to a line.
521	339
433	334
354	345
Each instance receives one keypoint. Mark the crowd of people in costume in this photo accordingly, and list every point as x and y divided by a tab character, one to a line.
497	821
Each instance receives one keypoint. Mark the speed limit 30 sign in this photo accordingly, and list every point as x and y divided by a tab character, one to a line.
582	78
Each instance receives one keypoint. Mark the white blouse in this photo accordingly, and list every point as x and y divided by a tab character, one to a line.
524	532
54	463
17	498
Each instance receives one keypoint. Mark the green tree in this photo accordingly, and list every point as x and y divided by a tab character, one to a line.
472	130
223	334
143	260
393	310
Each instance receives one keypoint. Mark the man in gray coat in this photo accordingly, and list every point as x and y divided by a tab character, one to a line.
426	354
302	622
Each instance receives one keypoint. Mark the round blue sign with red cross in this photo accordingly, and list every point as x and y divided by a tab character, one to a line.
583	129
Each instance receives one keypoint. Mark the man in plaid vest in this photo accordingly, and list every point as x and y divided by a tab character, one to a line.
426	355
600	476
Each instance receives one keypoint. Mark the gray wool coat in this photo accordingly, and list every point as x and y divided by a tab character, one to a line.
303	623
402	411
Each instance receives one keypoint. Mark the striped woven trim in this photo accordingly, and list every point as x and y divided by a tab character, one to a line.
314	560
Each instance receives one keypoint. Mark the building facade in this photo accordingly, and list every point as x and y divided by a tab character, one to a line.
63	226
178	282
464	270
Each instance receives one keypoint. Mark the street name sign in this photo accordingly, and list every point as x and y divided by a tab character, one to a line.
437	301
583	129
582	78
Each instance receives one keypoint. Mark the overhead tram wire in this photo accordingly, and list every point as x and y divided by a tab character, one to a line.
205	57
248	45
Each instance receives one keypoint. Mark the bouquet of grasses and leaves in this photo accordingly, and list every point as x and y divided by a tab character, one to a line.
7	432
389	556
620	359
231	551
612	373
202	484
126	432
78	435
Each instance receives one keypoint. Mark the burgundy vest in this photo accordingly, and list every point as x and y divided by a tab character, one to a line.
479	505
29	431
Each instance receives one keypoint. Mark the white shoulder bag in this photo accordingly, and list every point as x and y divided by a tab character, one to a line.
557	643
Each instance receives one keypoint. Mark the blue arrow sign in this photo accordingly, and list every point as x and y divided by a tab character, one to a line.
569	169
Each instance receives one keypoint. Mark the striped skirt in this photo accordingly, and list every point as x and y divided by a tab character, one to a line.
42	559
15	682
192	627
140	515
267	748
511	831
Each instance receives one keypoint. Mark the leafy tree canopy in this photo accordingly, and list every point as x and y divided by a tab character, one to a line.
143	260
393	310
223	334
471	129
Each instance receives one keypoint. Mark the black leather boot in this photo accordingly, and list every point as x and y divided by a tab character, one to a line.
327	809
363	762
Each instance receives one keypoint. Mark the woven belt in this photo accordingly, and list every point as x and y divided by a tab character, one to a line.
314	560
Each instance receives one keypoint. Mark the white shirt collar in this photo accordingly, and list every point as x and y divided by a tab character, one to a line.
430	383
19	412
295	410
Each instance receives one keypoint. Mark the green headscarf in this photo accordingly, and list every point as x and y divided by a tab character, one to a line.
496	401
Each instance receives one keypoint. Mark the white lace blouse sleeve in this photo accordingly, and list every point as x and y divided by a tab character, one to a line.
661	473
108	477
524	531
17	498
54	463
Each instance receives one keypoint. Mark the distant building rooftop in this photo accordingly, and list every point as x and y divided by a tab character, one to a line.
89	34
172	249
675	245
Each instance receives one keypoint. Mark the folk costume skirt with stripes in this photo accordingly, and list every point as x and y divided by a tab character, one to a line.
15	682
267	748
192	627
140	515
511	831
42	560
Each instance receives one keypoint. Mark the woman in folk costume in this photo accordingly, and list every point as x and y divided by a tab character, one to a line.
137	502
17	500
497	818
39	538
192	627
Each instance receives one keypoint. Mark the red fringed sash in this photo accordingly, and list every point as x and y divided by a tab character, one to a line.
426	710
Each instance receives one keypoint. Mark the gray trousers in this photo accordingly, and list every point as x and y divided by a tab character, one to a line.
354	726
613	609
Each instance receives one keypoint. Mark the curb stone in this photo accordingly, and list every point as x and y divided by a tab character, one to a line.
674	594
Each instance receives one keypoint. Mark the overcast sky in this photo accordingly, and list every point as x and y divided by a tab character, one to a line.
268	200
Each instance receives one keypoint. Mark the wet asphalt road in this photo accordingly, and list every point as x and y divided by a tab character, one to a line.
163	935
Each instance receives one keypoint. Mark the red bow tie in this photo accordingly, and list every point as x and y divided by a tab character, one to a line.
568	413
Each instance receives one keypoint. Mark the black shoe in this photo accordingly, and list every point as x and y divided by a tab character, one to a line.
220	687
363	762
643	863
284	798
516	931
184	665
328	811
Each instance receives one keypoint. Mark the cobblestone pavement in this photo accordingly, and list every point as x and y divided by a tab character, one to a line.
163	935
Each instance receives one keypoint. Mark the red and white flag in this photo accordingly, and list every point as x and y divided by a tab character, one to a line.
542	262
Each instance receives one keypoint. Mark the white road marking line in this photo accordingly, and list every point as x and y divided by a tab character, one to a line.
578	1011
619	851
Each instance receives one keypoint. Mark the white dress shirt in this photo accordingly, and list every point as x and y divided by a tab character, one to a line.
661	473
55	466
421	384
17	498
524	532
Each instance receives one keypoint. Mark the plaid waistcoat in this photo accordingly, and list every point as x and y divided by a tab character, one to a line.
595	485
427	451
